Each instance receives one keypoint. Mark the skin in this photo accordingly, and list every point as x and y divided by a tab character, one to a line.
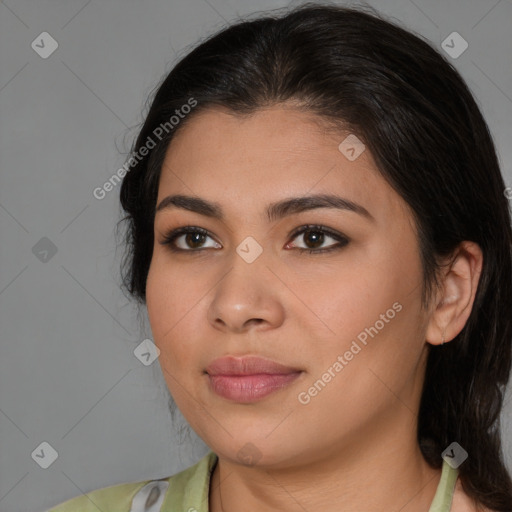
302	310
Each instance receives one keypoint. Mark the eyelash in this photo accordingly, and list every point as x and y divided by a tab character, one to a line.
343	241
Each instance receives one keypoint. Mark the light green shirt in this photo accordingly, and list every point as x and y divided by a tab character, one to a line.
188	490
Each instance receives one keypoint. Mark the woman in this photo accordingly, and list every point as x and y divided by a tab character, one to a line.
318	227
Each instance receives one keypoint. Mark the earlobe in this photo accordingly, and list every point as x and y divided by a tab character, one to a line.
456	296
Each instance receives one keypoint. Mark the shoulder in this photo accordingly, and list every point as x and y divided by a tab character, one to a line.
120	496
137	496
463	503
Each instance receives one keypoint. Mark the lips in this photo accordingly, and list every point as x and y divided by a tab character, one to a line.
248	379
249	365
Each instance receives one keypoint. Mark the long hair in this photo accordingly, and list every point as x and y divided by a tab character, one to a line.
416	115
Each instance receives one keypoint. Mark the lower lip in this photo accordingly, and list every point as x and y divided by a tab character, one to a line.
249	388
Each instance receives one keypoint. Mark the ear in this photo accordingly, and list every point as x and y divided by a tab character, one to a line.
456	294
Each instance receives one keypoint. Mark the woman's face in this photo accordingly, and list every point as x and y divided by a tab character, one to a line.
349	320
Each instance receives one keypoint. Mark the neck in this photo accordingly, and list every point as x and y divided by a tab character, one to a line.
382	469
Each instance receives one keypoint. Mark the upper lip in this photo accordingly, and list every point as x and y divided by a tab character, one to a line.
248	365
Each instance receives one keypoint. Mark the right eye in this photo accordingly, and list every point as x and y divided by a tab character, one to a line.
192	237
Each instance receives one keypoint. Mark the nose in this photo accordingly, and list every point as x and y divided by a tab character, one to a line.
247	297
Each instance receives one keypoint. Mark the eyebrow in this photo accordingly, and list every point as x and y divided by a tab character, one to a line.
275	211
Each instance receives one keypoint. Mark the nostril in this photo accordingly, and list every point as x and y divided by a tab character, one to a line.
255	320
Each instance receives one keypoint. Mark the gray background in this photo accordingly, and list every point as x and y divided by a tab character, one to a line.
68	374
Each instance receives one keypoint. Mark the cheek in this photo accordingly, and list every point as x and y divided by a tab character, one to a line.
349	298
157	297
173	304
386	333
376	302
169	296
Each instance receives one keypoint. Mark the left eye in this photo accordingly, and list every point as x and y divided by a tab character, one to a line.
313	235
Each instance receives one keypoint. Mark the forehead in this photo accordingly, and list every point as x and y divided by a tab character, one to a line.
269	155
276	133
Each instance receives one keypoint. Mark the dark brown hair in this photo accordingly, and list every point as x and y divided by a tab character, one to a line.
416	115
